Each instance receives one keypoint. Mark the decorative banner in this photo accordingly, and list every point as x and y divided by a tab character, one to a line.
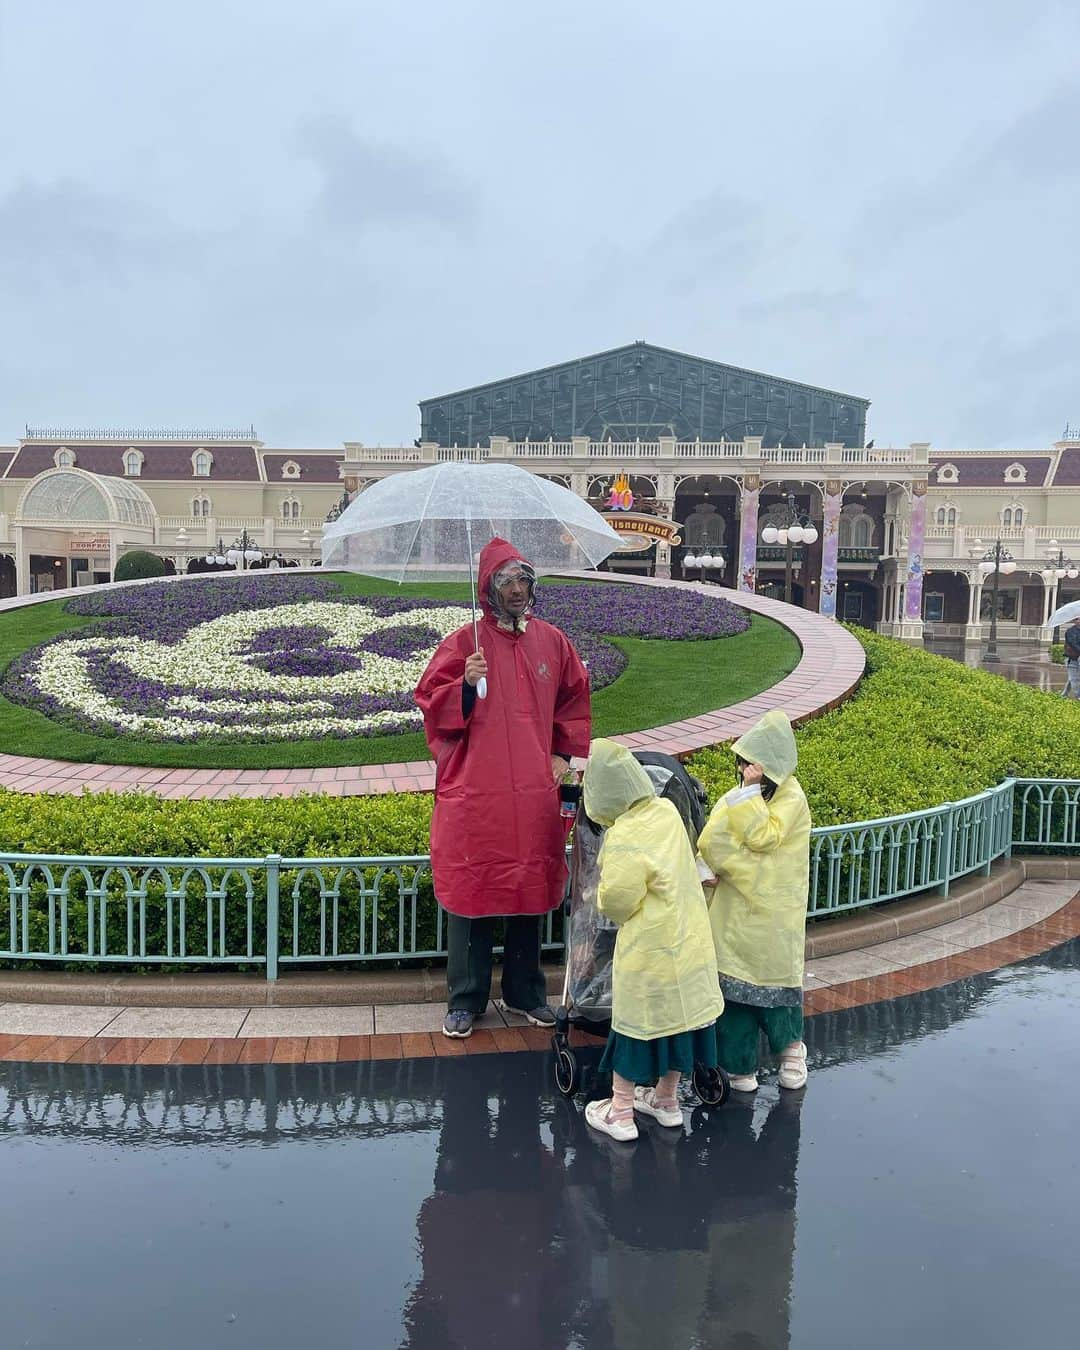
916	542
751	491
830	542
642	531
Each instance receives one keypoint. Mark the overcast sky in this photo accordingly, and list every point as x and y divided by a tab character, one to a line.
308	216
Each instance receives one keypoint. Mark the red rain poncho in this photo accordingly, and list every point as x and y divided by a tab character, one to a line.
497	839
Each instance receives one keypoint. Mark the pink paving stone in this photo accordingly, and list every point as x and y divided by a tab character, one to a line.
276	775
226	776
373	771
323	775
345	772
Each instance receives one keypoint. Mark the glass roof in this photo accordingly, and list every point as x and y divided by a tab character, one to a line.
85	497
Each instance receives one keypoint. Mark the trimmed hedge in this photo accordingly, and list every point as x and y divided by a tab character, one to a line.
920	730
137	565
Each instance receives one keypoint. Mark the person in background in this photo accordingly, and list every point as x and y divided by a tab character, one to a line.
665	995
1072	659
755	848
498	844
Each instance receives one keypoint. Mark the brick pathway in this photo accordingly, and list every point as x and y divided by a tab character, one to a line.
831	666
1035	918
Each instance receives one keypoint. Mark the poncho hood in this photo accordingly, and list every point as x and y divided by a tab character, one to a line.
614	782
493	557
771	743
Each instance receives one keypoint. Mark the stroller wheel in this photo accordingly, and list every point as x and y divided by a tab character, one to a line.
566	1070
711	1085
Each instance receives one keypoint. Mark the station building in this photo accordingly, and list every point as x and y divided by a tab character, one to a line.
705	456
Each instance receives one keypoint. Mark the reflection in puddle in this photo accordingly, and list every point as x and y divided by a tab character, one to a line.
459	1202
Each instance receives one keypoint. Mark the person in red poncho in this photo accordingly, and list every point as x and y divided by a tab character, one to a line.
497	840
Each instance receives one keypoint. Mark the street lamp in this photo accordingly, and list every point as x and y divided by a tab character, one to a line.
798	529
999	561
705	561
1058	569
244	551
1061	567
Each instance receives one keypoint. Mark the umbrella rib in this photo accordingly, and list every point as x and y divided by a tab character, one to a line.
419	524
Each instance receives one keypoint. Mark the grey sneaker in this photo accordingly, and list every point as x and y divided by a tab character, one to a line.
458	1024
539	1017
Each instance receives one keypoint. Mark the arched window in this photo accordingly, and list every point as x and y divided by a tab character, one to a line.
952	515
296	510
64	458
201	462
1006	518
200	506
940	515
1018	517
856	530
133	462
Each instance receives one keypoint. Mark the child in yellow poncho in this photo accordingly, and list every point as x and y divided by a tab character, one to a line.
665	991
756	853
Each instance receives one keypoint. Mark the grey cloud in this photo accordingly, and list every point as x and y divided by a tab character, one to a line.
1033	154
65	233
367	182
797	304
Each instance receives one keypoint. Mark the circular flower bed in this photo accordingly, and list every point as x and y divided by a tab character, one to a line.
289	658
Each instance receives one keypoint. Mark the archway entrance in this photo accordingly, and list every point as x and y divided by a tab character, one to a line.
71	525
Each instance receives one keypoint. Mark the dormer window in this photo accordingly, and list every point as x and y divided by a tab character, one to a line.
133	462
948	473
64	458
1016	473
290	469
201	463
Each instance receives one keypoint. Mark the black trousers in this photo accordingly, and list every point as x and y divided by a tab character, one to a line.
468	964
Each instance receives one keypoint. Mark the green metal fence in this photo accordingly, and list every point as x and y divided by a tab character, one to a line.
271	912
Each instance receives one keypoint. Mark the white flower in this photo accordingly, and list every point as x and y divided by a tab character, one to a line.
215	656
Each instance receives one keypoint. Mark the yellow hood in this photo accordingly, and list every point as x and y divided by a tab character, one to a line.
771	743
614	781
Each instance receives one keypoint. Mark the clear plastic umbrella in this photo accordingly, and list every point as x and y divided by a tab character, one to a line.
430	525
1063	614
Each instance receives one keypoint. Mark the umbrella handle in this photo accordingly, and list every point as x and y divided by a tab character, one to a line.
481	687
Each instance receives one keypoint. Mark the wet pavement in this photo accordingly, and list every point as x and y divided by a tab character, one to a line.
1025	665
923	1190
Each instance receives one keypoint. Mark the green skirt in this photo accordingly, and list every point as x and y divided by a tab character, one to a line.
645	1062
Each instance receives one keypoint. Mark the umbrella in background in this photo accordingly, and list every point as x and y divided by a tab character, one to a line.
430	525
1063	614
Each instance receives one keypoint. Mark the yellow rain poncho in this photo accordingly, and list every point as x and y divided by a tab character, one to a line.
760	853
664	977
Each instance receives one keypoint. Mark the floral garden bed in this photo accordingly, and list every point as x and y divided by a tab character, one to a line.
272	660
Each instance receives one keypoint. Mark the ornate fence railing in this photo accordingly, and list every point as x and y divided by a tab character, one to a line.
271	912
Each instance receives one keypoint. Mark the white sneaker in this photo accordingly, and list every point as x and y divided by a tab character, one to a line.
743	1082
792	1067
645	1102
597	1115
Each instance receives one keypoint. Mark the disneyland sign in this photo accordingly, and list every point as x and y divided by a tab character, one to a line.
642	531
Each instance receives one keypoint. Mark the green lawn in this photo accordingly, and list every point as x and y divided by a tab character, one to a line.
664	682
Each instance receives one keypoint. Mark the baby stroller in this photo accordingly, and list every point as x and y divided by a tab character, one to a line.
590	937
